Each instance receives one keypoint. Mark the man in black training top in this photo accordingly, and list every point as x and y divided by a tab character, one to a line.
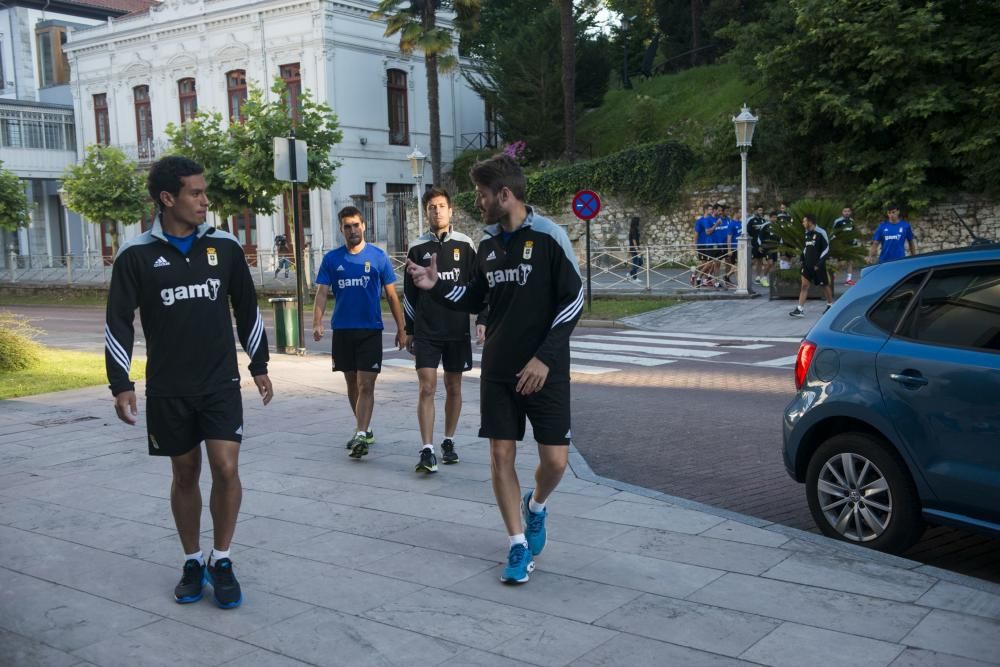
815	250
526	268
439	335
182	275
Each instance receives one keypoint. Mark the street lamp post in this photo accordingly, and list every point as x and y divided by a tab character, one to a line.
745	124
626	25
417	163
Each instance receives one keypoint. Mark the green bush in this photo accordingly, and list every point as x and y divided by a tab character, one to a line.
460	167
18	350
843	247
466	201
652	174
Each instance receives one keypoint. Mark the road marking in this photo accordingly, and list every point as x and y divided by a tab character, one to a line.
645	349
783	361
575	368
664	334
691	343
617	358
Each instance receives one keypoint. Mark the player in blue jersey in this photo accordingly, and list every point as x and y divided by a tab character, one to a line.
357	273
704	227
894	235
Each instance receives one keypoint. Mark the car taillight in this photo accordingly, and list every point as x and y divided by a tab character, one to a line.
802	360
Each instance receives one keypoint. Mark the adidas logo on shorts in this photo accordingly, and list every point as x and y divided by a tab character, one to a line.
375	367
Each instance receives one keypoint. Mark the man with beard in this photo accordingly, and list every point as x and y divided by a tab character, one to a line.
528	273
439	335
356	273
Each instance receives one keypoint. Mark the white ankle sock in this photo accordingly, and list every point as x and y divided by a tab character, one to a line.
850	275
517	539
361	433
217	556
533	507
428	446
197	555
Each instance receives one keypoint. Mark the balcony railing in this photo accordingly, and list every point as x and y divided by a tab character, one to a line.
144	152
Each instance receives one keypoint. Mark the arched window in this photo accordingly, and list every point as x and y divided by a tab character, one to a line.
101	119
236	90
188	96
399	129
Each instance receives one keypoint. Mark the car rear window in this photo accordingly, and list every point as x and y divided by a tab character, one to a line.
958	307
887	313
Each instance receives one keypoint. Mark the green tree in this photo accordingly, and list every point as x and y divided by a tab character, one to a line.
894	100
15	211
106	187
416	25
239	157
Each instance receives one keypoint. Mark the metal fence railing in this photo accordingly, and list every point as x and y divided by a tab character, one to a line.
660	269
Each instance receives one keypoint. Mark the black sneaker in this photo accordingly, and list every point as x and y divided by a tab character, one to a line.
226	589
448	454
189	588
428	462
369	440
798	312
358	446
828	307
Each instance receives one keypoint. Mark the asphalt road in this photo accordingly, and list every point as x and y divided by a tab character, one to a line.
698	418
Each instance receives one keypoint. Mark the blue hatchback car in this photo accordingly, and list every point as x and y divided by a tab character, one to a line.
897	417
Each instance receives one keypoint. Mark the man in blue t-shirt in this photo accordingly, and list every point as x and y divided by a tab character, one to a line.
894	235
356	273
704	227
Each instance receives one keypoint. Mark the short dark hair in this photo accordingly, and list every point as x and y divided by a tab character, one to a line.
433	192
349	212
810	217
499	172
165	176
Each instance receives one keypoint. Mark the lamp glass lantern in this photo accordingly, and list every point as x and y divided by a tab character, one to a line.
745	124
417	163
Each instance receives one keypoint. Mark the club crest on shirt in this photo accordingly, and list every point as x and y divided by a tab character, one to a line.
213	258
528	247
368	267
456	253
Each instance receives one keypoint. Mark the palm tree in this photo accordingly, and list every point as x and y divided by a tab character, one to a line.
415	21
567	30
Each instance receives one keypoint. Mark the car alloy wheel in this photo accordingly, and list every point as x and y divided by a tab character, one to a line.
859	490
855	497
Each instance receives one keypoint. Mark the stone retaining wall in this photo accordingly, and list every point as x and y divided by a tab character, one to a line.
935	229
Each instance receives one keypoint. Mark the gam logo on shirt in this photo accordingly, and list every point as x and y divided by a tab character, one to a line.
353	282
209	290
517	275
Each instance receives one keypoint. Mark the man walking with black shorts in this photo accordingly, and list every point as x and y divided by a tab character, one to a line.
182	275
437	333
527	271
815	250
357	273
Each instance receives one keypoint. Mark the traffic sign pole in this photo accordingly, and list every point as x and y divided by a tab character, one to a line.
300	278
586	206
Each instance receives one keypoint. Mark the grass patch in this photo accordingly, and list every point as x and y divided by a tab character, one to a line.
57	370
53	297
679	107
615	309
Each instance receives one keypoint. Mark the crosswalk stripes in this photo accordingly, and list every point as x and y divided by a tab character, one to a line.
617	351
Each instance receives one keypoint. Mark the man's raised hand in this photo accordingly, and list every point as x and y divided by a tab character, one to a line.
424	277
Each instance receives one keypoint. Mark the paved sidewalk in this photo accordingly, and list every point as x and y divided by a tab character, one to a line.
366	563
745	318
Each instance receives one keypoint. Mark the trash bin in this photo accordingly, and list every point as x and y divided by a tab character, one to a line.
286	324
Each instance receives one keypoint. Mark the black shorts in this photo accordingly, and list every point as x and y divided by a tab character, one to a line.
503	411
456	354
357	350
817	276
177	424
757	252
708	253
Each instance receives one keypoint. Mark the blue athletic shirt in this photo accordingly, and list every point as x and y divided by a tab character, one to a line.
182	243
356	282
893	238
735	229
701	226
720	237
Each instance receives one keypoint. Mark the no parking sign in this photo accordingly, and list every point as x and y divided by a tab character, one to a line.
586	204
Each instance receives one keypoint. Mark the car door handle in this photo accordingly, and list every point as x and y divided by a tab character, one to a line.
909	380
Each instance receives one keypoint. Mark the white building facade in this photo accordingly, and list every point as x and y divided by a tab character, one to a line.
134	75
37	130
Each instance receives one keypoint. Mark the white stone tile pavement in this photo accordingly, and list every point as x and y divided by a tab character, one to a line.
366	563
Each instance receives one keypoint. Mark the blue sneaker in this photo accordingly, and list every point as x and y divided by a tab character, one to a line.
519	564
534	526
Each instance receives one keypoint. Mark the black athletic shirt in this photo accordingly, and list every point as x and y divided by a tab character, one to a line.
184	306
535	295
816	247
456	261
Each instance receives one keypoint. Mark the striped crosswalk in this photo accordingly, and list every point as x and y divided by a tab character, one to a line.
596	352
